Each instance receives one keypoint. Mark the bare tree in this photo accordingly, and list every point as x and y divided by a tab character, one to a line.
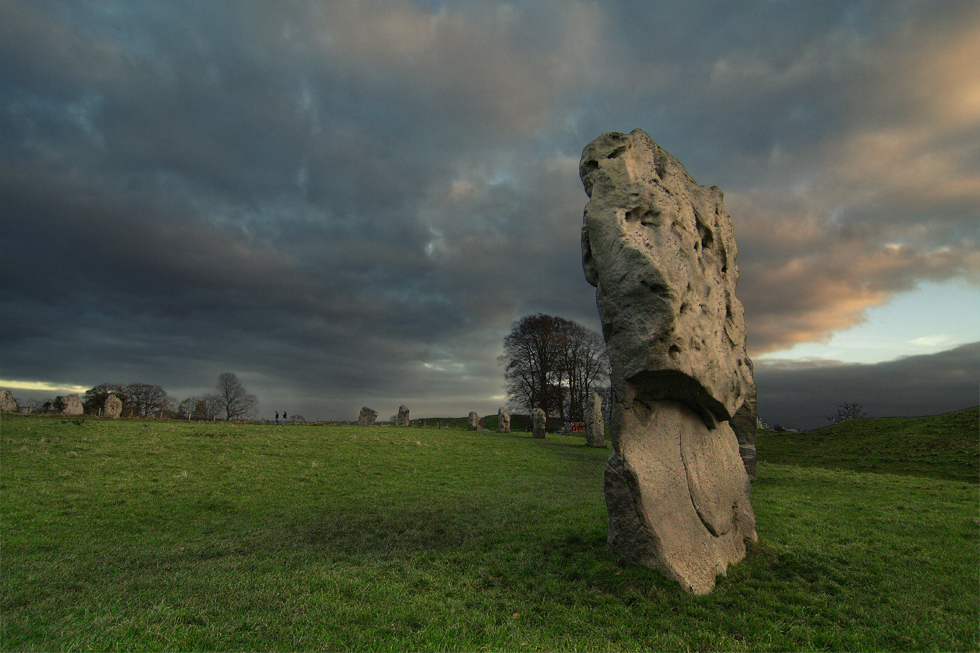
145	400
169	409
585	366
233	399
530	357
206	408
845	412
186	408
553	364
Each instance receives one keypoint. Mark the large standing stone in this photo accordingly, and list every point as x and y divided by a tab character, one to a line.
503	421
113	407
539	422
595	426
474	422
7	402
71	405
367	417
660	251
744	424
402	419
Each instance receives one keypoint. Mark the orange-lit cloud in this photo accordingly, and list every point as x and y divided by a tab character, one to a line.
804	278
888	200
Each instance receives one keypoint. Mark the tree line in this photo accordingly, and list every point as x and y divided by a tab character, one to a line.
554	364
229	401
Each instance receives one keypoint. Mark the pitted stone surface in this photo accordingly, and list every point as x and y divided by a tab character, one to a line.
367	417
503	421
402	419
474	422
661	252
113	407
595	426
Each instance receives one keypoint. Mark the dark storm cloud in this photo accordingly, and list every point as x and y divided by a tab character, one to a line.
803	395
349	202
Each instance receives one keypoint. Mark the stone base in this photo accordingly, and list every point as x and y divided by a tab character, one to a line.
677	494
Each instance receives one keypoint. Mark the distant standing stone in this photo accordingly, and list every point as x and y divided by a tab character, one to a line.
367	417
744	423
402	419
113	407
503	421
7	402
474	423
538	422
595	426
72	405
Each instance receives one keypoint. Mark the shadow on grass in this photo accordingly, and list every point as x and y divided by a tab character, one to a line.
576	559
390	532
582	557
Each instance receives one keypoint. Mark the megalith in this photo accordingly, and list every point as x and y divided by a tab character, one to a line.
744	424
7	402
503	421
595	426
402	419
367	417
474	422
660	250
71	405
113	407
539	422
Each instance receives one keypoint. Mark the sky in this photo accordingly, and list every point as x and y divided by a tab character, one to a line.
349	204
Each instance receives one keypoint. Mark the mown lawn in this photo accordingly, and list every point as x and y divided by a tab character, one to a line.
160	536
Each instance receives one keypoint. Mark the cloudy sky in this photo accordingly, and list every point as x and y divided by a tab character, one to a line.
350	203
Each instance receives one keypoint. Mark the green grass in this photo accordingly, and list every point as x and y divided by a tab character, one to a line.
943	446
171	536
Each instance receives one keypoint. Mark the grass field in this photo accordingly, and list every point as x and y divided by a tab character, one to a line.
129	535
943	446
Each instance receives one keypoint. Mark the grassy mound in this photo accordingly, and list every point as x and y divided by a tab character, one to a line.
156	536
942	446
